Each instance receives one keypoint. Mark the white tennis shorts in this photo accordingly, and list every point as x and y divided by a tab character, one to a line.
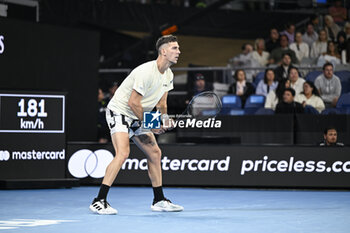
120	123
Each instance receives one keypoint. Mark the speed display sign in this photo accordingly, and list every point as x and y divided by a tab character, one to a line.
32	135
32	113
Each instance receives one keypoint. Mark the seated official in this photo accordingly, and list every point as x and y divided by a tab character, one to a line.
330	138
288	105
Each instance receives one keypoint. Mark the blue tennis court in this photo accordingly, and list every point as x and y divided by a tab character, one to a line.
206	210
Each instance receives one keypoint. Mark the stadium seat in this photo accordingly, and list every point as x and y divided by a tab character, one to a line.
332	111
231	105
310	110
264	111
312	75
344	77
344	101
253	103
258	78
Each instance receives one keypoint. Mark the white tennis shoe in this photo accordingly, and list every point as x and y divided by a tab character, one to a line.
166	206
102	207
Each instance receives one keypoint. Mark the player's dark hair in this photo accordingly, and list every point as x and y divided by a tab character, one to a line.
164	40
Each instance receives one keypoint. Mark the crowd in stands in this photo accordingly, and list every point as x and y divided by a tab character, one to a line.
285	88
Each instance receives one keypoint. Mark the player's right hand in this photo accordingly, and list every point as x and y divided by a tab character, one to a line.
161	130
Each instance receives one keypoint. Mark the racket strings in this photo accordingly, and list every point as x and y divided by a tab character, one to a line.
205	105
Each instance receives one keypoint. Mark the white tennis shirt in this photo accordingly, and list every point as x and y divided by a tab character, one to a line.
147	81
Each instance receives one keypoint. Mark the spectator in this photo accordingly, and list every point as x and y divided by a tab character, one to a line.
331	56
300	48
295	81
316	23
338	12
111	90
199	87
241	87
331	28
310	36
276	96
288	105
341	43
328	85
260	55
273	42
289	32
267	84
245	59
310	96
102	127
319	47
330	138
347	30
281	71
276	54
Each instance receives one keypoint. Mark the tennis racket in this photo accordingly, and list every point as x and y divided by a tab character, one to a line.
202	106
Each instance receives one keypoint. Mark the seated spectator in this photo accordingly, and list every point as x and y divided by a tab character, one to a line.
276	96
330	138
338	12
310	96
295	81
300	48
310	36
329	86
267	84
319	47
341	46
316	23
241	87
111	90
331	28
245	59
260	55
273	41
281	71
276	54
288	105
347	30
289	32
102	127
199	87
331	56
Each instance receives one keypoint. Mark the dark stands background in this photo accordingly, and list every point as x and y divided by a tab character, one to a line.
121	51
42	57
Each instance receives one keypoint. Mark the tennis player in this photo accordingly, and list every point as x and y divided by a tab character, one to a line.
146	86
